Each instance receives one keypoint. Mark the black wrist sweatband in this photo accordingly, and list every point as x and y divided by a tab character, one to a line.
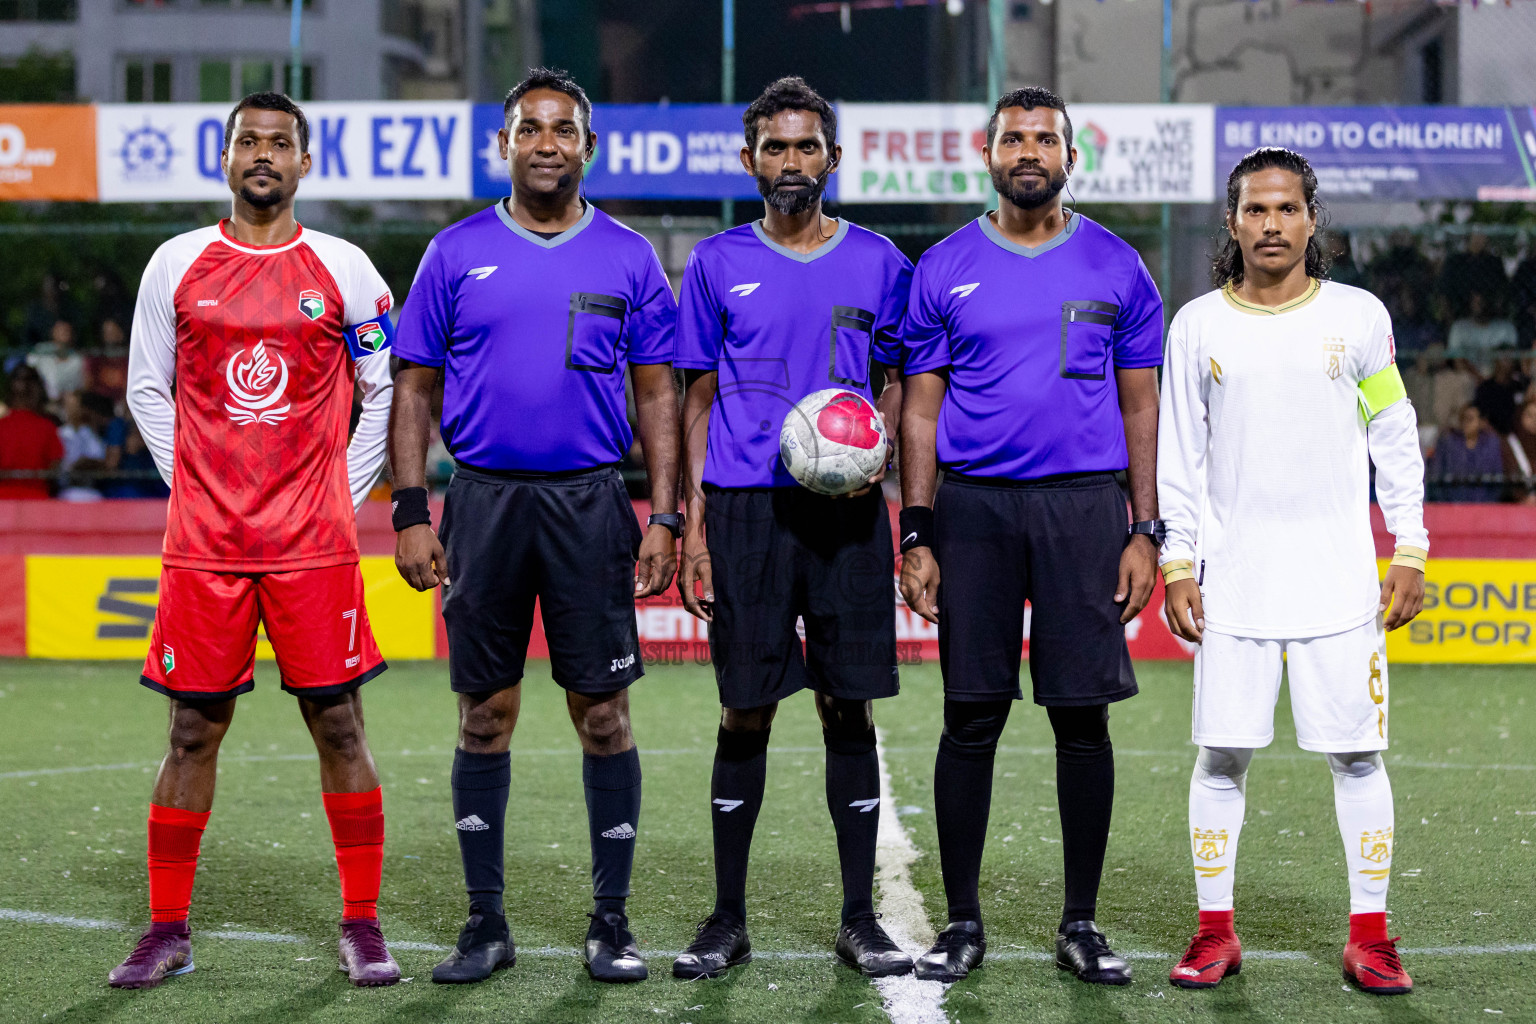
409	508
916	527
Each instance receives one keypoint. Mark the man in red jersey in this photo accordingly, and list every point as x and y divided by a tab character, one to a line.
263	328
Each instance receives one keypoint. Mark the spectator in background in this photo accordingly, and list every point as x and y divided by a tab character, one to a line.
1522	301
1413	328
127	454
1476	270
1343	270
51	305
109	299
58	363
1499	393
1400	269
107	372
1460	455
29	441
86	418
1520	454
1472	337
1451	386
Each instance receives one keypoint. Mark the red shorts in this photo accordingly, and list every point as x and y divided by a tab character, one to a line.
204	643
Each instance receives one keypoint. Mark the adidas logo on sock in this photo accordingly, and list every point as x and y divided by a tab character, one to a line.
624	831
471	824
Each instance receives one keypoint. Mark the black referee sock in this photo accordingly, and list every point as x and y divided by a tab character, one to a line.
480	784
1085	796
853	797
736	796
962	797
613	819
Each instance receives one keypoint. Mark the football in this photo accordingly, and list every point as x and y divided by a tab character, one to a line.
833	441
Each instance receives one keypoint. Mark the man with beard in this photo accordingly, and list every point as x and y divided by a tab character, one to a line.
761	305
248	338
532	310
1033	339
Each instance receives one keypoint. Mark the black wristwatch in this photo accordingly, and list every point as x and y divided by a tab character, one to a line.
673	521
1155	529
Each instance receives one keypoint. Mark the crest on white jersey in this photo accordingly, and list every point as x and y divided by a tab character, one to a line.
257	381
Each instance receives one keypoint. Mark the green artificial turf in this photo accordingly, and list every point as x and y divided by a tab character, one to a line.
72	845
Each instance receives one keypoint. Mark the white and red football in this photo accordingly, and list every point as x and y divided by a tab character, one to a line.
833	441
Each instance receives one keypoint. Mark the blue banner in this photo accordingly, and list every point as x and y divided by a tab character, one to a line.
682	151
1392	153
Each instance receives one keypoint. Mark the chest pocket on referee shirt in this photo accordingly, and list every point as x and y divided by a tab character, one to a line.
592	332
852	331
1086	328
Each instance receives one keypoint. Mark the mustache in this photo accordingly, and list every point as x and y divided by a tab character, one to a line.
263	169
785	180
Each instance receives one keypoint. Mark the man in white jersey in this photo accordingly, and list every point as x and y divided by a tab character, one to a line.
1279	390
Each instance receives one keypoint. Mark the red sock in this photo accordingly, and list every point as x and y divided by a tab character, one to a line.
1368	927
175	837
357	828
1216	922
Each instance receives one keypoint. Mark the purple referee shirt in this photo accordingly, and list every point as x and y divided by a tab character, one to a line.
1032	338
535	334
779	325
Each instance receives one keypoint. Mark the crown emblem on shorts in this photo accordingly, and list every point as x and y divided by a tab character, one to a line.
1376	846
1210	843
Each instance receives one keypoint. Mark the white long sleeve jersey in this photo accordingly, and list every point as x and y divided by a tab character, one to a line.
1269	417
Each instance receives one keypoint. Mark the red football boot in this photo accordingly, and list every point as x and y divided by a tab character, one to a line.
1213	953
1370	959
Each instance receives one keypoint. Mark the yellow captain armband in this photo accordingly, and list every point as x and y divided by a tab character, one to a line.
1413	558
1380	390
1178	569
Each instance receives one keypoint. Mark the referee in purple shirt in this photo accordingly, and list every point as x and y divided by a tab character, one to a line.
1033	337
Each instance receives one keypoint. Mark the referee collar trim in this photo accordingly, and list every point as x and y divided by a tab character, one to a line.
1254	309
544	243
803	257
990	230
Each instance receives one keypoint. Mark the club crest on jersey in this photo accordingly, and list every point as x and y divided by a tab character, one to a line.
369	336
1333	348
257	382
311	304
1210	844
168	660
1376	847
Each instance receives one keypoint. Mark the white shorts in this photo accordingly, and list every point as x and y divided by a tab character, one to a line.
1338	690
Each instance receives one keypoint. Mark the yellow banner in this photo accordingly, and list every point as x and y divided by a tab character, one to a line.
103	607
1475	610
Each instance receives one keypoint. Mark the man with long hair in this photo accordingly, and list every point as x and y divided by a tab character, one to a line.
1279	391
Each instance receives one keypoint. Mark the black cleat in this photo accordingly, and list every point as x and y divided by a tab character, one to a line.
863	945
484	947
721	944
1082	949
611	953
956	952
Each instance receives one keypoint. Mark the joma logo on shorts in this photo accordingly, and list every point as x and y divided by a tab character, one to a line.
624	662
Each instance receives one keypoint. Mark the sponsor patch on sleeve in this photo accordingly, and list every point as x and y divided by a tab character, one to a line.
371	336
381	304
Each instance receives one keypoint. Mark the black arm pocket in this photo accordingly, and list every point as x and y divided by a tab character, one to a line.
852	332
1086	328
592	332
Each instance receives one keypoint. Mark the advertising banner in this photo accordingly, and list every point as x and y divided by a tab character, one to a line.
48	151
680	151
169	152
1476	610
80	606
1392	153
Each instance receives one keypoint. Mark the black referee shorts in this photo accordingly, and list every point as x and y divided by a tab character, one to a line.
570	541
782	553
1055	544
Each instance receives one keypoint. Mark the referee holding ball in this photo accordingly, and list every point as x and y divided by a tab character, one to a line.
1033	339
531	309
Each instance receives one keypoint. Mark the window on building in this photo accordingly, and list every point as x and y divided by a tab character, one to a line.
147	81
255	76
215	80
38	78
306	81
1432	71
38	10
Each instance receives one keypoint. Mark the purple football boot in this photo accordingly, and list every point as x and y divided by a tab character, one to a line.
363	955
163	952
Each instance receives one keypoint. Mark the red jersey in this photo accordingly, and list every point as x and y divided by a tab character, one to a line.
262	344
27	441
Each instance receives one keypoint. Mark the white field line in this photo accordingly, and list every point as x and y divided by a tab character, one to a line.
96	924
1184	753
906	1000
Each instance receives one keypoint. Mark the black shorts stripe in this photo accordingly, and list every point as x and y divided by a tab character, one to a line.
337	688
198	696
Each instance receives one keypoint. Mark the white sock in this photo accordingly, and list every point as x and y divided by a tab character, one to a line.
1362	797
1217	801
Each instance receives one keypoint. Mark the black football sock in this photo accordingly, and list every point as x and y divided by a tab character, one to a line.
613	819
962	797
1085	796
480	784
736	795
853	797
